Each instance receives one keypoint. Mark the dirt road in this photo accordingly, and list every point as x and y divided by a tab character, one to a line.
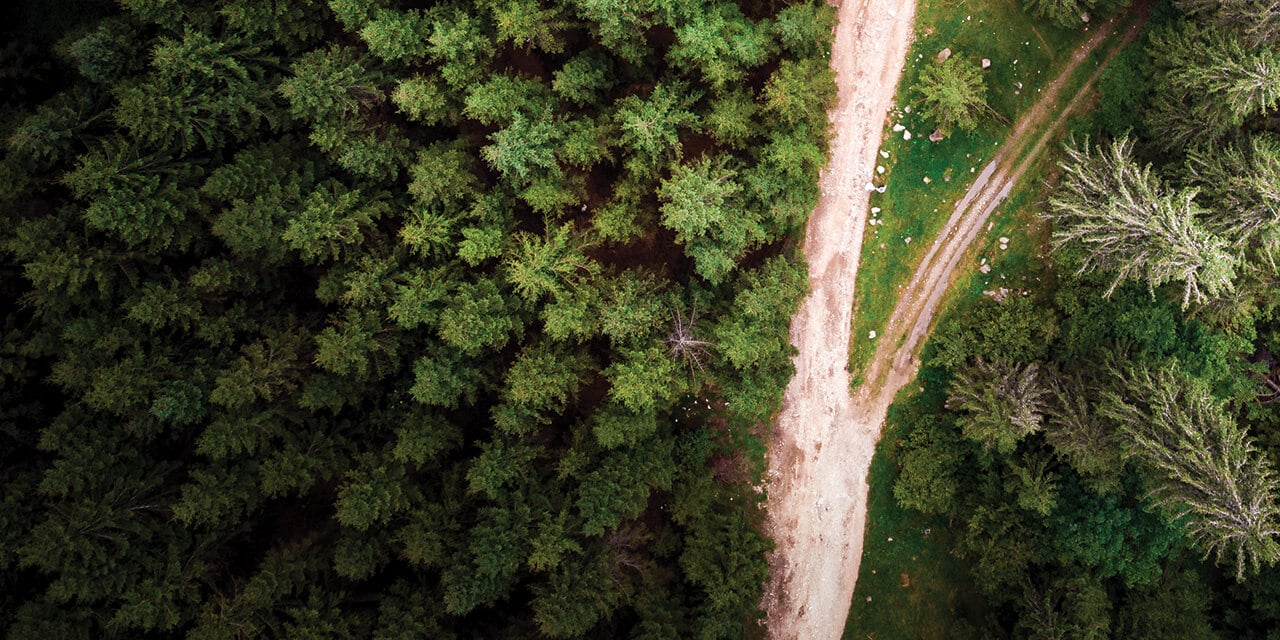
822	446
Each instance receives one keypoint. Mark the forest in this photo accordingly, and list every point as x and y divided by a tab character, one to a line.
1103	448
394	318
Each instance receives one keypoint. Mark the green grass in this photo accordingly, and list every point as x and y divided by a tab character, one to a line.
909	586
937	588
910	208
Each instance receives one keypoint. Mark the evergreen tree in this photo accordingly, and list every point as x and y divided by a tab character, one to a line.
1208	470
1133	225
954	94
1003	403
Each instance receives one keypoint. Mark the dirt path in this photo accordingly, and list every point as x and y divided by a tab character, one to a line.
822	447
816	491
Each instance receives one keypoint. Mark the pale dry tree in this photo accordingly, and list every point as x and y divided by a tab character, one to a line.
683	344
1207	471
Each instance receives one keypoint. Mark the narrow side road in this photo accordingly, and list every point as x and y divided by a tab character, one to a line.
821	448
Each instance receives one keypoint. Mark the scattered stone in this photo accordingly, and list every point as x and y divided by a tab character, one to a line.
898	127
936	136
879	169
1019	84
927	180
1084	17
907	109
871	187
986	268
986	63
884	154
1004	240
871	336
944	54
906	240
906	135
881	245
1004	247
875	209
881	188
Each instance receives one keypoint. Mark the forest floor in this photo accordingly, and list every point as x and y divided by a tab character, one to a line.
822	446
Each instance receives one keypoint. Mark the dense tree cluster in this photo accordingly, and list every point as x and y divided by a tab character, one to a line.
1106	446
392	319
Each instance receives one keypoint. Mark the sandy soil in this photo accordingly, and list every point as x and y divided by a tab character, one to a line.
821	449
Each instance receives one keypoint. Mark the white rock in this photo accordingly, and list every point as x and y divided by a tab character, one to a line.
871	336
881	188
875	209
907	109
927	180
906	135
879	169
907	240
1004	240
884	154
871	187
986	63
898	127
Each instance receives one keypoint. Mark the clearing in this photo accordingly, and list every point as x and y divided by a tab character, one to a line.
821	450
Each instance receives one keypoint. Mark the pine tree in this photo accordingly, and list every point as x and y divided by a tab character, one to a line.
1003	403
954	94
1129	223
1206	469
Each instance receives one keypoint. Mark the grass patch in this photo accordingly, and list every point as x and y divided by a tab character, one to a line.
911	211
938	591
909	585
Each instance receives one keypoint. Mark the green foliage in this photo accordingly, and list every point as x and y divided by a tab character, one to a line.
799	92
699	205
354	318
1003	403
1210	82
954	94
1210	473
1073	13
1134	226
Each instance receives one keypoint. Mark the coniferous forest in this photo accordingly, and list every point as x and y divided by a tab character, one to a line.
397	319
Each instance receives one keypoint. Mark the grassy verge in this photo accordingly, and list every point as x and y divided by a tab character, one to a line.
909	586
1025	55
